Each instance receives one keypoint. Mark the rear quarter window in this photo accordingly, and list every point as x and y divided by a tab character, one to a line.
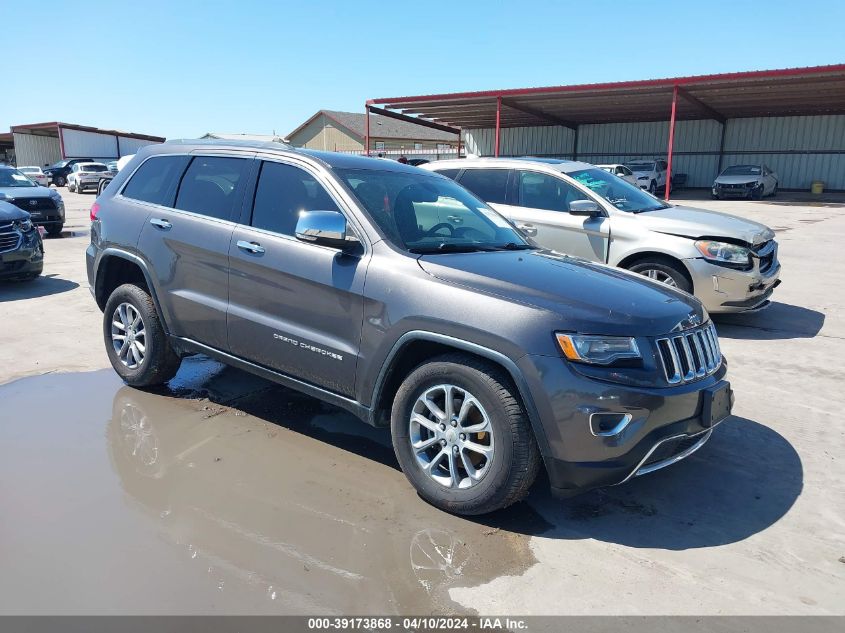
449	173
155	180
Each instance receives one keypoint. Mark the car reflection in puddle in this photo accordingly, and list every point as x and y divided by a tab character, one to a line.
269	505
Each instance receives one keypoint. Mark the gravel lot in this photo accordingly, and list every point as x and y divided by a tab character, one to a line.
225	494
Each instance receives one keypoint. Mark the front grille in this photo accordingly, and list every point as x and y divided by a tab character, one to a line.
690	355
766	253
35	204
733	186
9	238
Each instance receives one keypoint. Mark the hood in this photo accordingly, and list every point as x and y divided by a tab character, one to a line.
696	223
26	192
589	298
10	213
738	179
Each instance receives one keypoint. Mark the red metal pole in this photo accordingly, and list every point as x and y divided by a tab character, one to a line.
498	122
671	143
366	130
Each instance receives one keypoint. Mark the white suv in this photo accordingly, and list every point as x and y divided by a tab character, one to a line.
650	173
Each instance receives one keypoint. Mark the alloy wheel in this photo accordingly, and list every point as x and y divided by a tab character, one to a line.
659	275
451	436
129	336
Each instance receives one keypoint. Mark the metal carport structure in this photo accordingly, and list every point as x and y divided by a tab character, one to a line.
791	92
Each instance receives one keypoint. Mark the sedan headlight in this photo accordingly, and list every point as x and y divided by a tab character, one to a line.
23	225
597	350
724	253
642	177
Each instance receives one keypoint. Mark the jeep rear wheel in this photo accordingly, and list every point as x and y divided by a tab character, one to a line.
135	340
462	436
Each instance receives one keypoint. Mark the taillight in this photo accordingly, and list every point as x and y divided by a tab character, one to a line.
95	209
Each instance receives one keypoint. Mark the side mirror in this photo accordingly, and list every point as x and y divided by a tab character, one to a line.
589	208
327	228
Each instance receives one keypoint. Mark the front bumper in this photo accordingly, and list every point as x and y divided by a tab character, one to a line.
725	290
734	191
26	259
665	425
48	217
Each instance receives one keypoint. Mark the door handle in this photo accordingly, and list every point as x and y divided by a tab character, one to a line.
529	229
161	224
250	247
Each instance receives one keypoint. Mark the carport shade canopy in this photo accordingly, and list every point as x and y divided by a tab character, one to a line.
768	93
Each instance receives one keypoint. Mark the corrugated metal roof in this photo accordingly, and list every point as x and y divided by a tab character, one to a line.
783	92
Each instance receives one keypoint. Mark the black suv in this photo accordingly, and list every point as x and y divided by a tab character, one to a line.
397	295
21	249
58	171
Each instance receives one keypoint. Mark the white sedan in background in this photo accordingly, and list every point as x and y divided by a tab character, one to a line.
35	174
746	181
622	171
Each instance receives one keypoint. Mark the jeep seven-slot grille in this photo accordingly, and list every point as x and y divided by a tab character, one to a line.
690	355
9	238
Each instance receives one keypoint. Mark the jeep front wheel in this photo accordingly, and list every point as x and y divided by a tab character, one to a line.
135	340
462	436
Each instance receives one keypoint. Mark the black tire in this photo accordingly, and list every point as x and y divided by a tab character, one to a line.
160	363
54	229
516	458
652	187
757	193
61	181
667	267
101	186
775	190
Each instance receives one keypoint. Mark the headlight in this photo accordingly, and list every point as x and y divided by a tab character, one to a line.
724	253
597	350
23	225
752	184
642	177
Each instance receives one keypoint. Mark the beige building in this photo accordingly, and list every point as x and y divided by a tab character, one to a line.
345	131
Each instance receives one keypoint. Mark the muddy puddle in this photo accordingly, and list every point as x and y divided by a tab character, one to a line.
220	494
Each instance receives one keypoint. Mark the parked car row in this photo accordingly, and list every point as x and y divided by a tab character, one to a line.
401	296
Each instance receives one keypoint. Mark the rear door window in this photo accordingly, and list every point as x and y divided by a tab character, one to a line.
283	192
155	180
211	186
491	185
449	173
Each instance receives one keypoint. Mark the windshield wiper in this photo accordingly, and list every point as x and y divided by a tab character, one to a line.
513	246
446	247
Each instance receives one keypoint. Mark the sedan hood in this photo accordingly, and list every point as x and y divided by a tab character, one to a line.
10	213
589	298
696	223
737	180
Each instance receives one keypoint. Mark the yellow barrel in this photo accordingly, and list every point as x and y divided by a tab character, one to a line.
817	187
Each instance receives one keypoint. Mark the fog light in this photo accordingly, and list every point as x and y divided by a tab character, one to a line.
608	424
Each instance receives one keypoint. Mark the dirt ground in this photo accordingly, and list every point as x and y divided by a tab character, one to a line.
226	494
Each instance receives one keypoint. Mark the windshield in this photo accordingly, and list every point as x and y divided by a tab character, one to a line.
640	166
59	165
743	170
14	178
618	192
93	167
423	213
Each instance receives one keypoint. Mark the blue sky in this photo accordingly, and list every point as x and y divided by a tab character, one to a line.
180	69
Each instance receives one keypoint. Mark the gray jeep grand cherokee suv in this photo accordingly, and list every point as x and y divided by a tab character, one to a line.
397	295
